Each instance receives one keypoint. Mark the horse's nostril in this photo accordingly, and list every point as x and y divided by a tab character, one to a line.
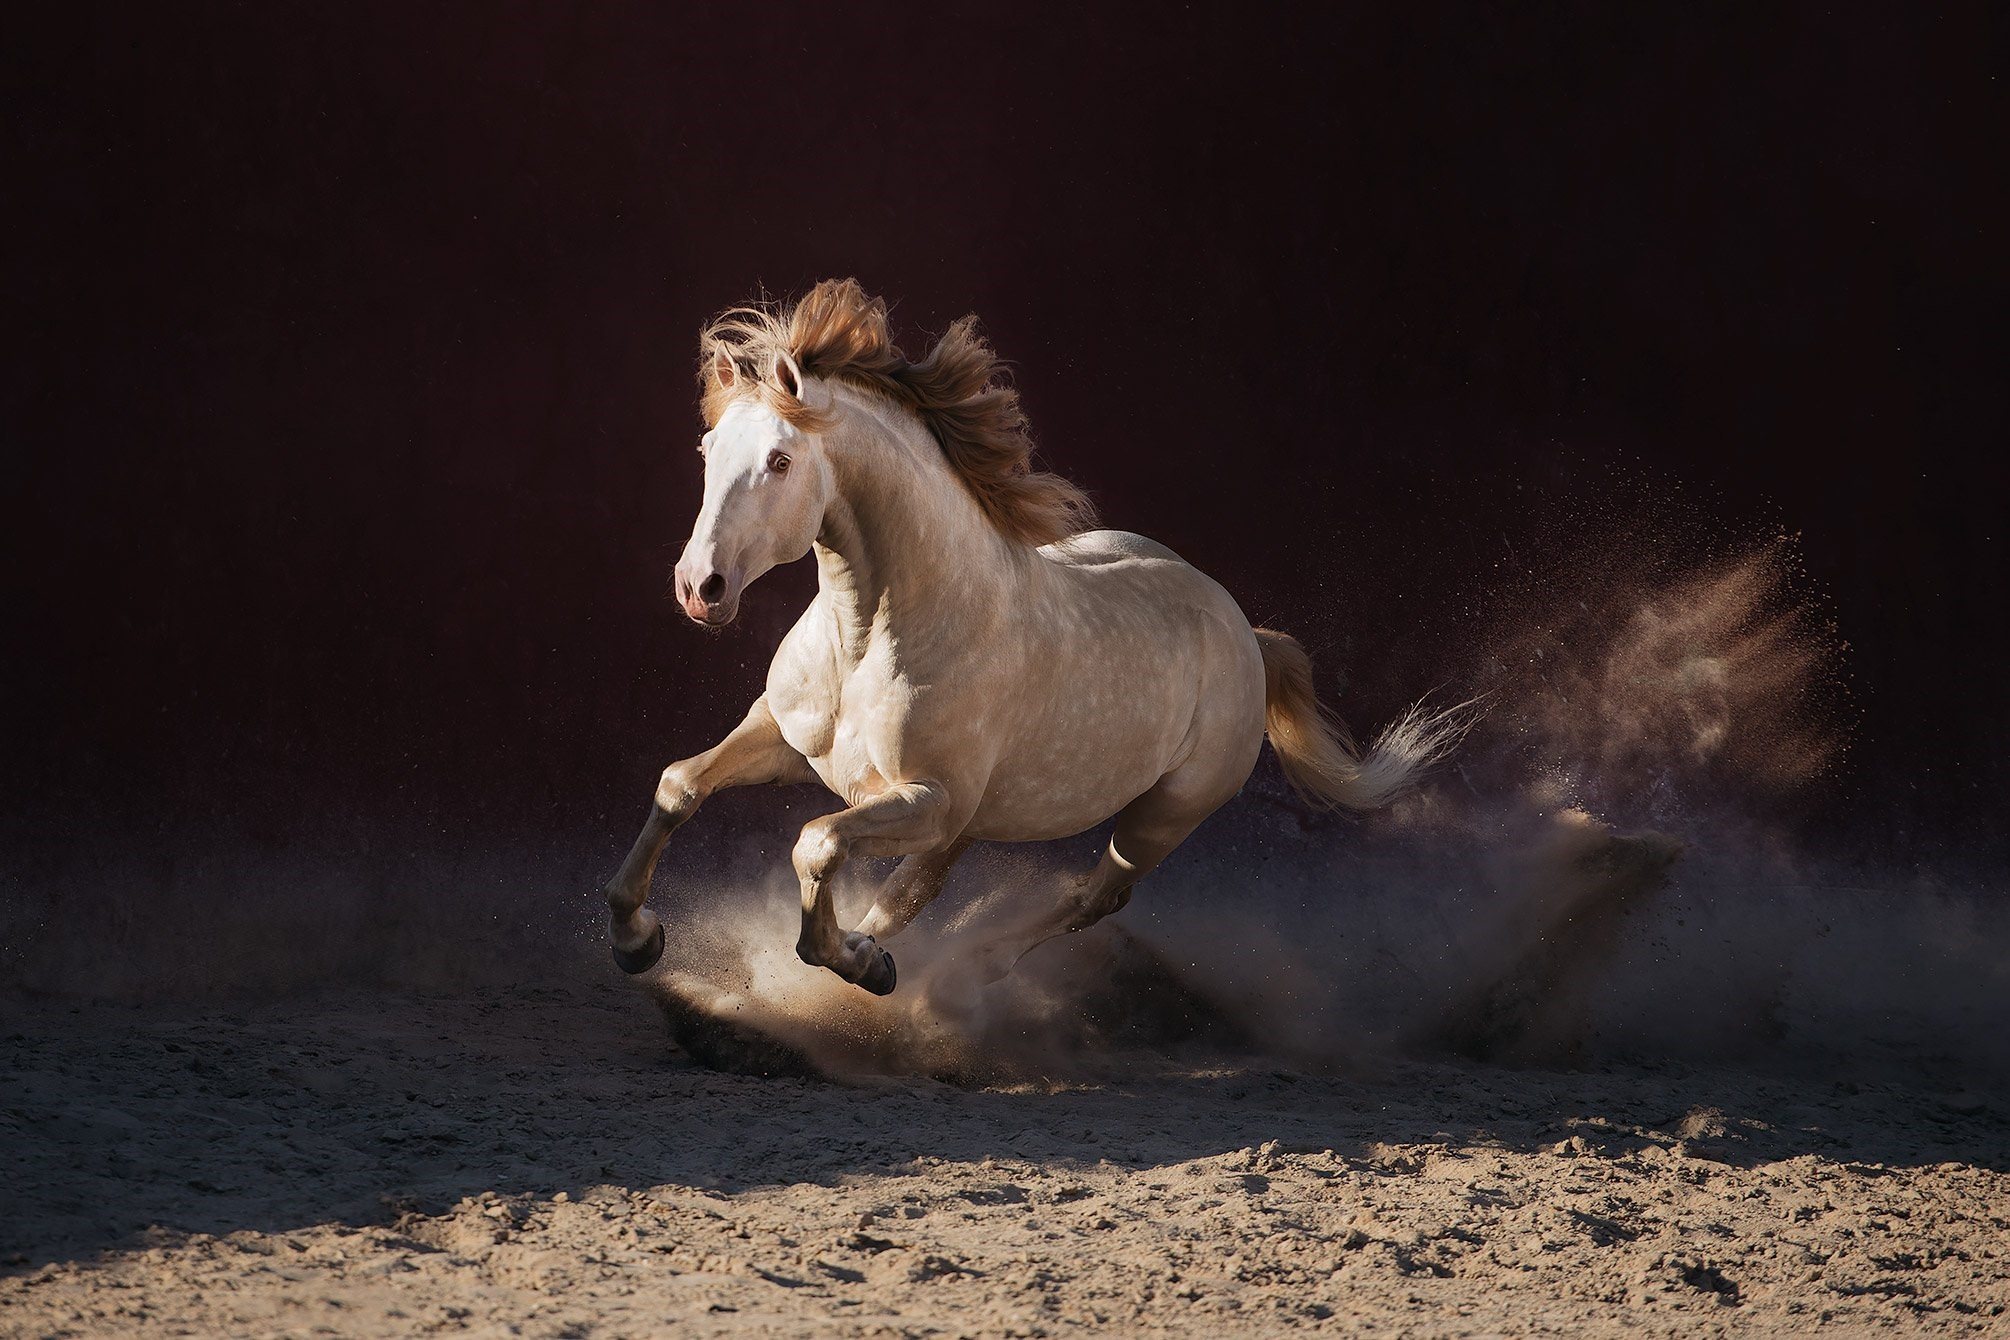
711	589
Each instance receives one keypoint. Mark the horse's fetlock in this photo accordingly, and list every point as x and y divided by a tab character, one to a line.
1090	905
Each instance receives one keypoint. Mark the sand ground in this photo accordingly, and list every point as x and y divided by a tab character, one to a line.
544	1161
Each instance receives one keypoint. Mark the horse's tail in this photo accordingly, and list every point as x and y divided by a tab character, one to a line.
1319	755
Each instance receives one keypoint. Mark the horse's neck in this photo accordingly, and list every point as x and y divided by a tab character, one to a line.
905	547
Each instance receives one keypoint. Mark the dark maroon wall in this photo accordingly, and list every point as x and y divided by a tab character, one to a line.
354	414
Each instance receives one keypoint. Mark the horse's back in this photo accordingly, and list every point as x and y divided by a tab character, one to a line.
1093	548
1136	575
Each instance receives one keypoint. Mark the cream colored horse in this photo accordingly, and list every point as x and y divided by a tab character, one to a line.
976	664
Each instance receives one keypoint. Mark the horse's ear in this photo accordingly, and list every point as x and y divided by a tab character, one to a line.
724	370
785	374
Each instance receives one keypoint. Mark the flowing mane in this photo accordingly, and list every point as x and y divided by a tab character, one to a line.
838	332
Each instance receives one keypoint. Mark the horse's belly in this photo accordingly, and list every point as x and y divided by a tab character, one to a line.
1072	780
1039	818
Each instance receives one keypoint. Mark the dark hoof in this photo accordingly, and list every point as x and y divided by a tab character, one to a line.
879	976
632	961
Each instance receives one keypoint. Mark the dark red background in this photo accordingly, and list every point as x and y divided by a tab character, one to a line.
353	412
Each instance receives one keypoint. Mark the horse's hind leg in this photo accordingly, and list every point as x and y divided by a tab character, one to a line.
1147	831
753	752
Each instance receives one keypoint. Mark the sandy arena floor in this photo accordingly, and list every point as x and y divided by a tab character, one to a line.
542	1161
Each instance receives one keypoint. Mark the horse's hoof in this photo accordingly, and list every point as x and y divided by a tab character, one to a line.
632	961
879	975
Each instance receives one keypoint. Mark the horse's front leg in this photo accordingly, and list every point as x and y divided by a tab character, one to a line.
911	817
754	752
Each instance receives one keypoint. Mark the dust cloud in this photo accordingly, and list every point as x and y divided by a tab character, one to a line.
1611	869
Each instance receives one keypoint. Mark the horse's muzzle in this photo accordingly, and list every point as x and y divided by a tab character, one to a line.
712	616
712	602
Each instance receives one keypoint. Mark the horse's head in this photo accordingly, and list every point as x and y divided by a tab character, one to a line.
767	483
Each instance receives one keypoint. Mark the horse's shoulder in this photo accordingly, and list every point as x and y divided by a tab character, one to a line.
803	683
1092	548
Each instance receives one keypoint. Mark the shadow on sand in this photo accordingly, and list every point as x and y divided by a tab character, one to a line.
123	1125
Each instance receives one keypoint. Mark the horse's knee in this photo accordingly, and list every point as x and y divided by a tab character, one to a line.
677	793
819	850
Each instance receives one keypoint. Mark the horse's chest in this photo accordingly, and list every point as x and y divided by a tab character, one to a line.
841	723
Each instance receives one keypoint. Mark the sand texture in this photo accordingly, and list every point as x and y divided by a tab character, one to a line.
544	1161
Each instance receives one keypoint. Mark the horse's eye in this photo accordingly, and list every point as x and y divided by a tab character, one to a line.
778	462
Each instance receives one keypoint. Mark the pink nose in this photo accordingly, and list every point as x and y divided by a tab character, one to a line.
701	599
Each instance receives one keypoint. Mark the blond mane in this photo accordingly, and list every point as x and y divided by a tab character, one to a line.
837	332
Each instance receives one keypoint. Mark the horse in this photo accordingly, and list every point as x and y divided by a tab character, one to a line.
980	663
